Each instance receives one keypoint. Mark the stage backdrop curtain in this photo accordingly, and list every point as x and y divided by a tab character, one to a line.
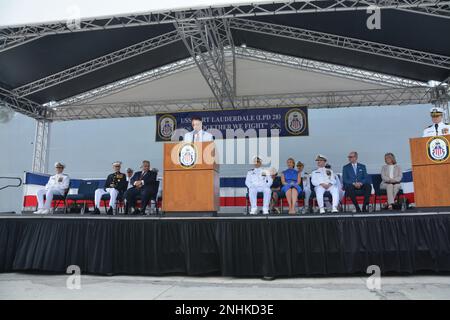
230	247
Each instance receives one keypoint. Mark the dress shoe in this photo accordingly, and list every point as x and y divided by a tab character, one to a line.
96	211
110	211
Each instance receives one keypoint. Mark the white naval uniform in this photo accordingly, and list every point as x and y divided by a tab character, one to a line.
113	194
57	184
306	188
255	183
319	176
443	129
201	136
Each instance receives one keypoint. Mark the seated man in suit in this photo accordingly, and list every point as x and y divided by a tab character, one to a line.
57	184
144	184
198	134
355	178
116	183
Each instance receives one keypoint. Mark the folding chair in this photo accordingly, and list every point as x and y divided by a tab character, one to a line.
360	194
327	195
259	195
119	201
382	193
153	199
58	198
86	192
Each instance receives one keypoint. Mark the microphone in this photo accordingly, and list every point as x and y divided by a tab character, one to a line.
436	126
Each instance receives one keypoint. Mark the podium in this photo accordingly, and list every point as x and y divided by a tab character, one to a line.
431	170
191	178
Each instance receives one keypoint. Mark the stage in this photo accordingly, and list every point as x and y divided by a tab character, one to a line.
227	245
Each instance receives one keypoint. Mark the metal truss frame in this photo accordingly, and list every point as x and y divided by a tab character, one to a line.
441	9
347	43
245	53
13	36
247	25
97	63
206	41
328	99
128	83
325	68
23	105
41	146
440	97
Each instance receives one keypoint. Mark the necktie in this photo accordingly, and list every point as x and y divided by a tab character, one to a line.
354	168
436	126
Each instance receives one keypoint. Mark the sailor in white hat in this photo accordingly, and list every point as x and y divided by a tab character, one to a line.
57	184
324	180
116	183
438	128
258	180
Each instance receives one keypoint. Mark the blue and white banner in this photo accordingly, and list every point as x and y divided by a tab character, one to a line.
222	124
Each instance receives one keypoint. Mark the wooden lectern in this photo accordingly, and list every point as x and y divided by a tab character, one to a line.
431	171
191	178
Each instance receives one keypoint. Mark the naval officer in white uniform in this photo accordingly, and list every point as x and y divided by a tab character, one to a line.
258	180
57	184
198	134
438	128
325	180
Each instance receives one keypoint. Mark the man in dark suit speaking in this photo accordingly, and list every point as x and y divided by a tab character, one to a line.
144	185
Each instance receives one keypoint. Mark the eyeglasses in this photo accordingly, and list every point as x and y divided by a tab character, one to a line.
350	156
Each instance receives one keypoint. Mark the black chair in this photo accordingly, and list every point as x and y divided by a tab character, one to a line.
327	195
359	194
313	198
58	199
154	198
382	193
86	192
301	195
119	201
259	195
